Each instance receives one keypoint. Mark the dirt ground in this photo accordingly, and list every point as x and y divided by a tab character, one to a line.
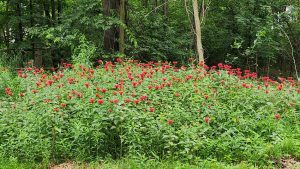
290	163
287	163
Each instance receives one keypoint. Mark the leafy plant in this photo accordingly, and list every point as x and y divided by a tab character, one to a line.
155	110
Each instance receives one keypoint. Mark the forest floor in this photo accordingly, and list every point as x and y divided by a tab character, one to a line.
287	163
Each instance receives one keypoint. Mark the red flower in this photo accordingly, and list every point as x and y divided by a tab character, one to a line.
144	97
63	104
104	90
206	119
56	109
100	61
55	77
266	84
70	80
49	82
38	83
79	94
92	100
188	77
220	65
22	94
170	122
152	109
100	101
8	91
114	101
118	60
34	91
98	95
127	100
279	87
136	101
206	97
87	85
177	94
277	116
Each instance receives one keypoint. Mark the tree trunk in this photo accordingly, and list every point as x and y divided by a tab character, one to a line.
19	36
198	31
110	35
38	58
59	10
6	31
122	32
47	11
166	7
145	3
155	5
31	25
53	11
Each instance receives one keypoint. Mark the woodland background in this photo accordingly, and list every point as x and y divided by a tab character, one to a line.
260	35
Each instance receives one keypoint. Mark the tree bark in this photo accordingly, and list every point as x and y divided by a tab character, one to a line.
38	58
53	14
47	11
110	35
145	3
31	25
199	46
155	5
7	31
166	7
20	24
122	31
59	10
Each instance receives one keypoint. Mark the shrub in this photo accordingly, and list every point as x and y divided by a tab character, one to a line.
150	109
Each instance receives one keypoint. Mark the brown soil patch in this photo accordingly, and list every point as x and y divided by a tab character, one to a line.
290	163
67	165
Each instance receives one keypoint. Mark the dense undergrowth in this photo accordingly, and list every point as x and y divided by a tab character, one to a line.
154	110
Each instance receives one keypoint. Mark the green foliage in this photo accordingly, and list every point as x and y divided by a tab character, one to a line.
13	163
159	112
257	35
160	37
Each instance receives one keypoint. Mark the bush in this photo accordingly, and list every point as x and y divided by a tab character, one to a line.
150	109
